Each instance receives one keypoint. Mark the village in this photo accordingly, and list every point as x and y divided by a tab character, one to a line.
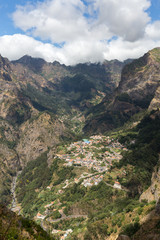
98	153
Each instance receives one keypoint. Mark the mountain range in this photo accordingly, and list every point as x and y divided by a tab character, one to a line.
79	148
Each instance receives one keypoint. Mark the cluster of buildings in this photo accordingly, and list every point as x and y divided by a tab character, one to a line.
88	153
88	180
94	180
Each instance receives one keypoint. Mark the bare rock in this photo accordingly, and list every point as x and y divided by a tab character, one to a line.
153	192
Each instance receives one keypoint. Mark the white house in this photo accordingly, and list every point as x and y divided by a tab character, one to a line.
117	185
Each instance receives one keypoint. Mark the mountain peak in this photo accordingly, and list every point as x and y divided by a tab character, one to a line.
4	62
35	64
26	58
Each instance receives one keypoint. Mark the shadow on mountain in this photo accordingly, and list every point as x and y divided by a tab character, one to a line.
13	226
34	64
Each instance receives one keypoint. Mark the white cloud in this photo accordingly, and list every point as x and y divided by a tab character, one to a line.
124	18
63	20
17	45
57	20
91	30
125	49
153	30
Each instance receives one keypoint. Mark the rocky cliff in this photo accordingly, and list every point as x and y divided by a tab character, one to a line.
153	192
138	89
141	79
37	135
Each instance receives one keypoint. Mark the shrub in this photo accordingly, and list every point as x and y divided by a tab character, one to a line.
130	229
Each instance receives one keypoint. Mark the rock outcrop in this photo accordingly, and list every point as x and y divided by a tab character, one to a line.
153	192
35	136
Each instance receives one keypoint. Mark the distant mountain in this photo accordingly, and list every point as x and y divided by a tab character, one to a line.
35	64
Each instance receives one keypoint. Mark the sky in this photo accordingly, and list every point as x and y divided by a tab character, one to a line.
78	31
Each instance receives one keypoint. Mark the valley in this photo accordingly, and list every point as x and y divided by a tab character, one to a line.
80	149
89	185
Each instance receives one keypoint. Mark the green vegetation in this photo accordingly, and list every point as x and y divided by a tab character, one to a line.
43	101
18	113
143	154
79	86
37	176
155	53
10	144
66	224
62	173
16	227
55	215
74	193
124	97
130	229
135	66
109	210
144	102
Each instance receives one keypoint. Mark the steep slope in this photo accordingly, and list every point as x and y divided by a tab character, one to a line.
140	80
16	227
37	135
153	192
137	90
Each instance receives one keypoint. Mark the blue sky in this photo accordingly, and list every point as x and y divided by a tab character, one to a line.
7	7
73	31
154	10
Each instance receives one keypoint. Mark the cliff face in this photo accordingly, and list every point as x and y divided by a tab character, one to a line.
141	79
9	161
153	192
37	135
138	89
